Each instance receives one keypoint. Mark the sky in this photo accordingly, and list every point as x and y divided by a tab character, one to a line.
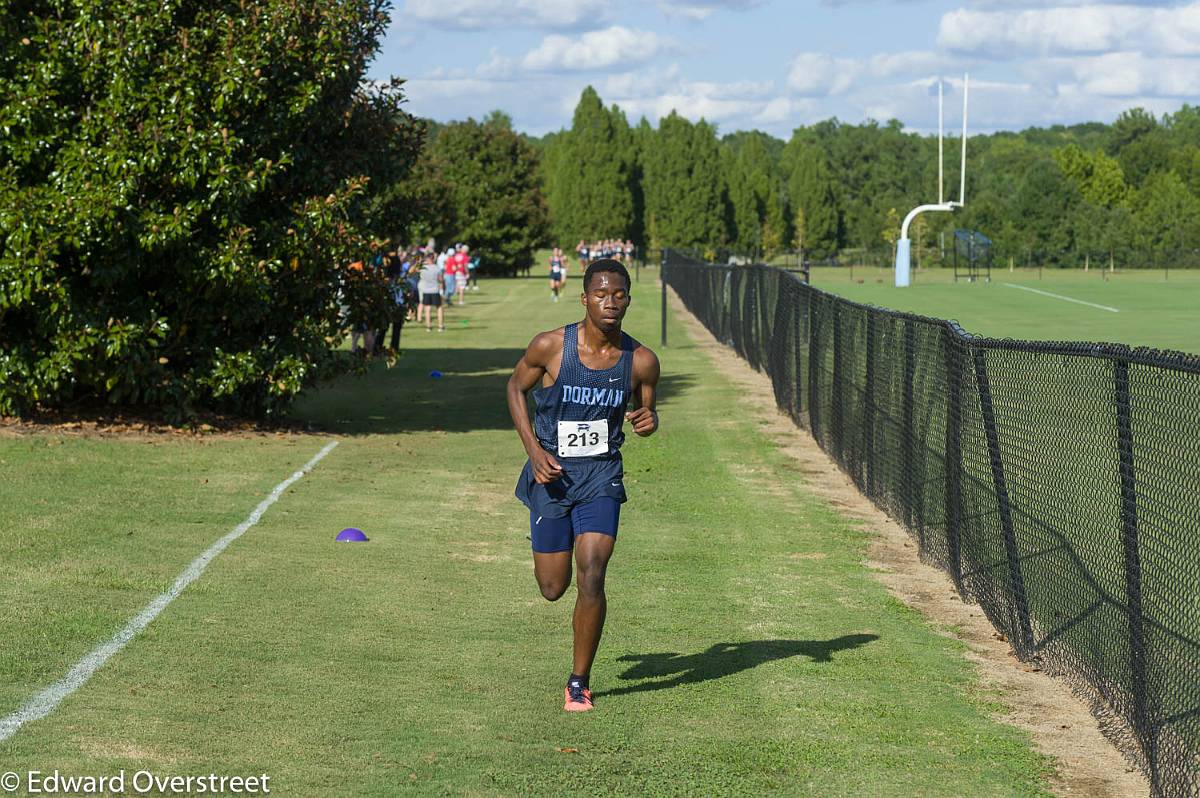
774	65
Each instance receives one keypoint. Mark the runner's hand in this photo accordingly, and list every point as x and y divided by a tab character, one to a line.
545	467
643	420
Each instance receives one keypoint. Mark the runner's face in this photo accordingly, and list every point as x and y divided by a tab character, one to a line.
606	300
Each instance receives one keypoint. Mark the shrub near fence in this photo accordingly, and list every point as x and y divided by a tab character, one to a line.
1056	483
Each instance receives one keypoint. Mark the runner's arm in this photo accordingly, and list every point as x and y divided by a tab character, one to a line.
644	417
528	372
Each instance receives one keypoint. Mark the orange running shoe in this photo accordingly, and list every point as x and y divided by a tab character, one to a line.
578	698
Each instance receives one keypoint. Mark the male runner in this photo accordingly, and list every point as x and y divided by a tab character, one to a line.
585	374
556	273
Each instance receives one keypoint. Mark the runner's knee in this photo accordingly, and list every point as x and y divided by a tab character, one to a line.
590	581
552	591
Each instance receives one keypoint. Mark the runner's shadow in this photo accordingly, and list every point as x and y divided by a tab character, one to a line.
725	659
672	386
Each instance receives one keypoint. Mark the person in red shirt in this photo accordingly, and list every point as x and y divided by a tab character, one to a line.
461	259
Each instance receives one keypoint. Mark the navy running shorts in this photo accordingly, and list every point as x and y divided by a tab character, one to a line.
601	514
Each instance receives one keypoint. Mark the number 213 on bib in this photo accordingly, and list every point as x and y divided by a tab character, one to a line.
582	438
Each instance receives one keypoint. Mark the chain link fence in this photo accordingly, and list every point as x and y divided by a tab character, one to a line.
1056	483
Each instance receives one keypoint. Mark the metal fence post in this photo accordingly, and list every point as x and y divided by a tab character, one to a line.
867	452
814	367
955	338
662	278
1024	645
907	445
1133	569
837	394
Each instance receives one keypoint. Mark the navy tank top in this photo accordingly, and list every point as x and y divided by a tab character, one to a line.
581	397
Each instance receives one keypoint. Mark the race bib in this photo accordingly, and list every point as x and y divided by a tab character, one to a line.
582	438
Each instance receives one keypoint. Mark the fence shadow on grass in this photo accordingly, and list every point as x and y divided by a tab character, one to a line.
725	659
468	394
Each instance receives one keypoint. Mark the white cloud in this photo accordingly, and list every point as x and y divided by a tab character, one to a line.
738	105
436	88
1085	30
497	67
639	84
1126	74
595	50
821	75
912	63
508	13
786	111
703	9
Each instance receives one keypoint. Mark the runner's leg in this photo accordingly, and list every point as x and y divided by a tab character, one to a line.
592	553
553	573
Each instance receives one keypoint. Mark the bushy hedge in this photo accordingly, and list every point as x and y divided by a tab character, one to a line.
182	183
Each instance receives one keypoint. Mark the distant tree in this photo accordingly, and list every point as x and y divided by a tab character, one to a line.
775	220
1166	216
1146	156
755	194
684	187
1140	144
1100	233
799	230
1130	126
642	137
595	161
811	194
891	229
1041	207
494	202
1098	177
1184	125
1185	162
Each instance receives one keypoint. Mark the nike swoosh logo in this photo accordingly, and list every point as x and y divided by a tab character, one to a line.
613	379
616	484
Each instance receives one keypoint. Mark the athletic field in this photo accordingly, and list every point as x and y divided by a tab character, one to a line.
1139	308
747	649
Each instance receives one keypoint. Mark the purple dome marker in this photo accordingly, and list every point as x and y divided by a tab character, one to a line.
351	535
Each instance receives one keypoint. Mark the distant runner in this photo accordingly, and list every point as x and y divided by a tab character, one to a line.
585	375
558	273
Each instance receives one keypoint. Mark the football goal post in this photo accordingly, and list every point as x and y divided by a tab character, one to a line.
904	245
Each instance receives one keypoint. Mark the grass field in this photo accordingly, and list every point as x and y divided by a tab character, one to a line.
748	650
1153	310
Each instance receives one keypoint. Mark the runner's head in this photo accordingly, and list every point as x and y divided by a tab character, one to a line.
606	293
605	266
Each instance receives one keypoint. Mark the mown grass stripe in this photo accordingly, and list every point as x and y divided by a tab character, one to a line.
46	701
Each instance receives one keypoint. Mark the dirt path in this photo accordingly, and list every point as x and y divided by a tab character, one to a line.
1061	725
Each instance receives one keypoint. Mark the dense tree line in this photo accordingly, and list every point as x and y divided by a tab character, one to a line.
1066	195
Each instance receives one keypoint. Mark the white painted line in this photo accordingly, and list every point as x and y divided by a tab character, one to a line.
1064	298
45	702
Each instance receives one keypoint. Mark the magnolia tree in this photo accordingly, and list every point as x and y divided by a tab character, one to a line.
182	184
